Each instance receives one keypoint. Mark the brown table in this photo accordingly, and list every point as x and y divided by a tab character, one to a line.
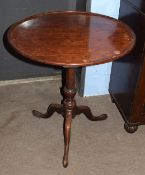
70	40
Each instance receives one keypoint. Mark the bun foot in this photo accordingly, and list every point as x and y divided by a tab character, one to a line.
130	128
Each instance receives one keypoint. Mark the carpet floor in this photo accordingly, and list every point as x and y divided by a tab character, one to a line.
32	146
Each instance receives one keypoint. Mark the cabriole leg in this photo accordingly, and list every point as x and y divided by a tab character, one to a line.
69	107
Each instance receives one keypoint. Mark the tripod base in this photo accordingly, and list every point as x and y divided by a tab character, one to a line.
60	110
68	109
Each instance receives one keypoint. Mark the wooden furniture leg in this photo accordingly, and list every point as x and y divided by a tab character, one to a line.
130	128
51	109
87	112
68	109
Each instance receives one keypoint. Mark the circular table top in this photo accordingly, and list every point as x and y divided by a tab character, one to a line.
71	39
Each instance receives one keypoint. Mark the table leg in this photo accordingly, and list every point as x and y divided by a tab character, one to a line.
69	105
68	110
87	112
50	110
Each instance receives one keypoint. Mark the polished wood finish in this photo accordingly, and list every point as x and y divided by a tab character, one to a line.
127	83
70	40
68	109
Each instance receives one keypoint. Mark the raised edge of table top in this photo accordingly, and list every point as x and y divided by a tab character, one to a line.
71	39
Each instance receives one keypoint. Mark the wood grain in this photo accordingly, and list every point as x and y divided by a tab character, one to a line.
71	39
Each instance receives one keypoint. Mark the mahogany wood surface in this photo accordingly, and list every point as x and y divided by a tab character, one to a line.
71	39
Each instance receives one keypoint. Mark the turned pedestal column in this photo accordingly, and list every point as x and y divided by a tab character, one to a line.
68	109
